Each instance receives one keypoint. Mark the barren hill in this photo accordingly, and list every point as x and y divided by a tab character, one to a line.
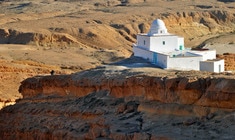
49	23
69	36
75	35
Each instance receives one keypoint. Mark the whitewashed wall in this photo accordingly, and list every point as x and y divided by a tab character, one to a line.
148	55
162	60
184	63
171	43
208	54
216	66
212	66
140	41
143	53
157	43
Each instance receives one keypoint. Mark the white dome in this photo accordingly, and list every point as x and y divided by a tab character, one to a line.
157	27
159	24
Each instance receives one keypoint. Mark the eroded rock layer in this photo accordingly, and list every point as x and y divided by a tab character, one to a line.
203	90
131	100
101	116
229	60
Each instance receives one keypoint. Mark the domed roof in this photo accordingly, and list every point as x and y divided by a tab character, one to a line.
157	27
159	24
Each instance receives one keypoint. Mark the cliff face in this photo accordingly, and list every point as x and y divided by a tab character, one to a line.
100	34
40	38
202	91
13	72
127	101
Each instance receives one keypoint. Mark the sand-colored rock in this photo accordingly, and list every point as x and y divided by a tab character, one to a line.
204	90
229	59
78	35
18	37
13	72
113	102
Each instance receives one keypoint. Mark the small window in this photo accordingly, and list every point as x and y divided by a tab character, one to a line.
144	42
163	42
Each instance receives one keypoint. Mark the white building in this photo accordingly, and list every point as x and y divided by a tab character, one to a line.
167	51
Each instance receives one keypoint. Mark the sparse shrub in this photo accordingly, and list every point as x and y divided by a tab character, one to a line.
90	34
80	30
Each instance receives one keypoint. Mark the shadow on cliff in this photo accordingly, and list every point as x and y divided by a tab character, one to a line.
134	62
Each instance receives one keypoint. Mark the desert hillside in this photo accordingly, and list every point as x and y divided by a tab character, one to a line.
98	90
74	35
107	24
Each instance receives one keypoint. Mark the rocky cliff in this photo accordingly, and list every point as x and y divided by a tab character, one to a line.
13	72
211	91
120	101
123	101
